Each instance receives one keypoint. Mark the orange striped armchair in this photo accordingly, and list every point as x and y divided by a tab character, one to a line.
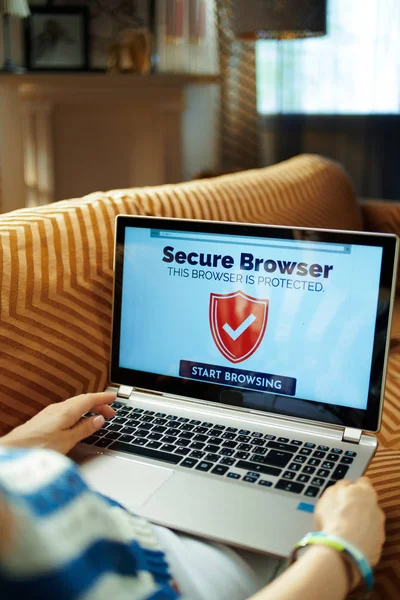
56	291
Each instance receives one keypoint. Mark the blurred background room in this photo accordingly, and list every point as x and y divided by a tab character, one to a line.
102	94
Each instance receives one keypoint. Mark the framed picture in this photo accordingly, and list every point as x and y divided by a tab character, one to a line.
56	39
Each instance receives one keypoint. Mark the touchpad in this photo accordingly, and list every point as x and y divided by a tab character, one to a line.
129	482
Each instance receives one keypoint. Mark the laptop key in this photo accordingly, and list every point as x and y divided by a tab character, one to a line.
169	439
146	452
181	450
197	454
323	473
243	438
188	463
168	448
340	472
154	445
160	421
289	486
305	451
232	429
187	435
215	440
90	440
318	481
126	438
228	461
242	455
154	436
183	420
249	479
258	442
281	446
229	444
244	432
114	427
296	442
195	422
257	468
112	436
309	445
219	470
314	462
350	453
269	436
312	491
259	450
228	436
323	448
226	452
265	483
128	430
211	448
303	478
319	454
333	457
337	451
309	470
252	474
200	438
219	427
300	459
197	445
212	457
159	429
138	441
275	458
346	460
204	466
207	425
283	439
294	467
289	475
187	427
244	447
160	415
232	475
257	434
328	464
171	417
200	429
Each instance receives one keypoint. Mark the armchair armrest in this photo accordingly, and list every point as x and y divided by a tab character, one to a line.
381	216
384	471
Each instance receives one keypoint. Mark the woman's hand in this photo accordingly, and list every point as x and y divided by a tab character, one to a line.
60	426
350	511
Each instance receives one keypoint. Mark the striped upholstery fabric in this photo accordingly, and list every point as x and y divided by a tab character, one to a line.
56	290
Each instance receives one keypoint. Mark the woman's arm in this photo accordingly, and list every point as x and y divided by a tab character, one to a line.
60	426
347	510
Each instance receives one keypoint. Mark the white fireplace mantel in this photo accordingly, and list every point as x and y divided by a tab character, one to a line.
65	135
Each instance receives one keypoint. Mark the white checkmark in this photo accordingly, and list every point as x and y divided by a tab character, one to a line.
235	333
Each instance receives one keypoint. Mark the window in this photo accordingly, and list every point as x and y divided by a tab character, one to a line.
352	70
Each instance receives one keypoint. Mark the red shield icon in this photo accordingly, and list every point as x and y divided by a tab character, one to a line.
237	323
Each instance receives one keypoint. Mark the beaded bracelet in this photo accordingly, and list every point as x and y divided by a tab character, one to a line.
341	545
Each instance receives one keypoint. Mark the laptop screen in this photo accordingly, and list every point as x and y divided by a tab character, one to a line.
279	320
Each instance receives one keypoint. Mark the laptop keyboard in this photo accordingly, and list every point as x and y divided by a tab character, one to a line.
302	467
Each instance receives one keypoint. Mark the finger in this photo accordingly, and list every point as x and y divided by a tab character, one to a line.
86	427
106	411
87	402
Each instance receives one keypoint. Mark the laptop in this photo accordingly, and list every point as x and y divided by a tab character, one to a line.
249	363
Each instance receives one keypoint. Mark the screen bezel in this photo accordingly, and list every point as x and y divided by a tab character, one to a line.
368	420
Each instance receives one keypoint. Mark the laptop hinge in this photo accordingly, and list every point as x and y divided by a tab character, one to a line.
352	435
124	391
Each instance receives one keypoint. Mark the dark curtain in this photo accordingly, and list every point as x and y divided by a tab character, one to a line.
366	145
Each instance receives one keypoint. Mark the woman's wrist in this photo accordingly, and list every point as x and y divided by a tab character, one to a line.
346	573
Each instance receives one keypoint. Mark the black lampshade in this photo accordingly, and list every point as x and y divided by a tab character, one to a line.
279	19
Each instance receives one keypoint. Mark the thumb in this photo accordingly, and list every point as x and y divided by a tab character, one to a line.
87	427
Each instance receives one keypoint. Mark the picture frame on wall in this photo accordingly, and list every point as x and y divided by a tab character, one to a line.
57	39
